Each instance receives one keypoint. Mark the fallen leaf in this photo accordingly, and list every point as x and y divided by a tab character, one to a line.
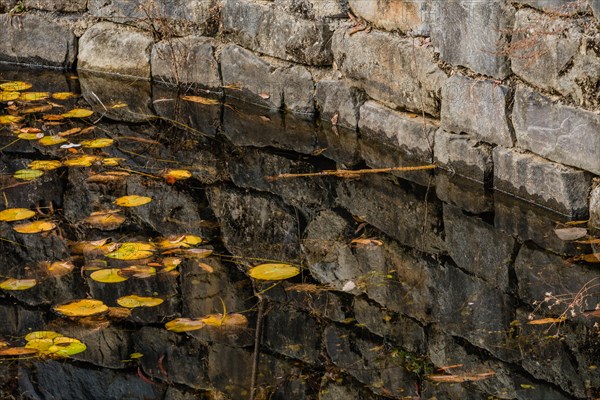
229	320
81	308
9	119
273	271
63	95
51	140
184	325
15	86
28	174
17	284
97	143
8	96
35	227
545	321
366	242
133	301
17	352
16	214
69	132
45	165
36	109
201	100
81	161
105	220
132	251
78	113
132	201
33	96
108	275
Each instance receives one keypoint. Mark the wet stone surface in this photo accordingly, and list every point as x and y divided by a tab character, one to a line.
377	286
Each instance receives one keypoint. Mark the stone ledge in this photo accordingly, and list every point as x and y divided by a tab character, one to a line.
464	156
554	186
338	97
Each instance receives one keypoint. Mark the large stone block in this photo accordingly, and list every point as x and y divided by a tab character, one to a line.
36	40
407	16
167	17
188	60
551	185
560	7
116	49
372	59
560	133
408	134
594	223
58	5
315	9
478	248
266	29
546	51
267	82
474	34
463	155
463	193
477	107
338	97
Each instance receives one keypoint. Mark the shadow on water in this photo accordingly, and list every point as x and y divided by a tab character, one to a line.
411	286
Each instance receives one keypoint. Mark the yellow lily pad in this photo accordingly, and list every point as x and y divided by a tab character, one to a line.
78	113
184	325
33	96
97	143
273	271
8	96
9	119
132	251
17	284
133	301
28	174
81	161
16	214
63	95
105	220
45	165
35	227
132	201
109	275
15	86
81	308
52	140
229	320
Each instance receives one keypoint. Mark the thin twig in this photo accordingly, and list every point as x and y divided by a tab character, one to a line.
345	173
257	334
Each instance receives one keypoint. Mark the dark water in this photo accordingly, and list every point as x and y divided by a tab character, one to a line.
441	288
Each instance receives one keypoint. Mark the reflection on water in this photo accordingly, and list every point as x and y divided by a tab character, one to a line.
412	285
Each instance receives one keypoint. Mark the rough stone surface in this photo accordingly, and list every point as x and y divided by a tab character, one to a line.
473	34
478	248
267	84
263	28
407	16
372	58
117	49
186	60
594	223
560	7
463	155
479	108
58	5
338	97
557	187
560	133
406	133
595	6
463	193
554	54
36	40
315	9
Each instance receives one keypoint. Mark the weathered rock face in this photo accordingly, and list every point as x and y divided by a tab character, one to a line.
560	133
315	9
371	59
473	34
37	40
557	187
552	54
479	108
463	156
112	48
188	60
337	97
560	7
595	208
407	16
59	5
274	32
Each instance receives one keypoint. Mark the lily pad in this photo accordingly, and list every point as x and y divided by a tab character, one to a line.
132	251
105	220
81	308
108	275
184	325
133	301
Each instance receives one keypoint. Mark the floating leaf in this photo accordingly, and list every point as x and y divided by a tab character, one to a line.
118	312
60	346
28	174
8	96
60	268
201	100
9	119
45	165
107	177
18	284
51	140
15	86
545	321
366	242
588	258
105	220
78	113
184	325
132	201
69	132
42	335
132	251
568	234
460	378
33	96
53	117
175	242
170	263
35	227
112	161
109	275
81	308
16	214
172	175
36	109
30	136
63	95
133	301
229	320
138	271
194	253
273	271
97	143
205	267
92	248
134	356
118	104
17	352
81	161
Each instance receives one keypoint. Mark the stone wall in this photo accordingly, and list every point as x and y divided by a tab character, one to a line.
503	92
